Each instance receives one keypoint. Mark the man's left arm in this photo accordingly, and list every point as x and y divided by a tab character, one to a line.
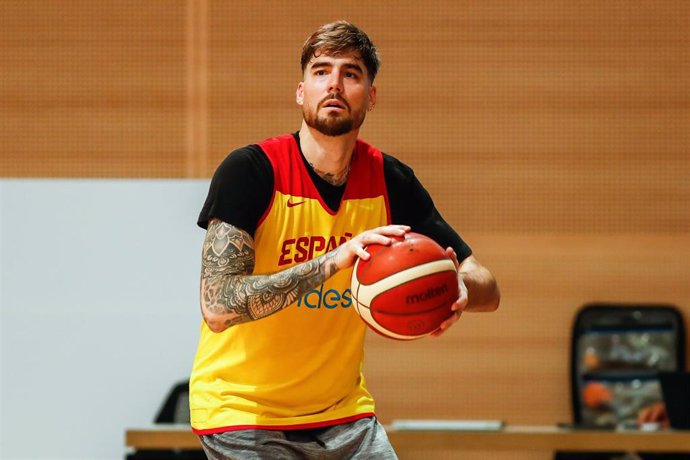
478	290
482	290
411	204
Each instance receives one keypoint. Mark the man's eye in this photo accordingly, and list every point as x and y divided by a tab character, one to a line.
320	72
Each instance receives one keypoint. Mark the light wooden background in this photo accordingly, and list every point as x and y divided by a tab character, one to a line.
554	135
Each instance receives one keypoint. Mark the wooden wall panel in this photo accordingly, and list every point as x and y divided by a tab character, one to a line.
92	89
519	117
542	116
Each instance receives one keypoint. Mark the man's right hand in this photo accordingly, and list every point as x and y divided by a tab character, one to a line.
347	252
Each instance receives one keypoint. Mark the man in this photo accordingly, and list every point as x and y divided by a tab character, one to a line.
278	369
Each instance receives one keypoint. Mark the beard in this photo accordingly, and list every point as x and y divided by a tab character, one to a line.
333	124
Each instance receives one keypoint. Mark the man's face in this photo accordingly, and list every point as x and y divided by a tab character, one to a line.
336	93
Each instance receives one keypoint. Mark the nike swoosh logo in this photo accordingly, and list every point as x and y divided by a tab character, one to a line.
290	204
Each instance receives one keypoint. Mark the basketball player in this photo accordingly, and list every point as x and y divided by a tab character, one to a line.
278	371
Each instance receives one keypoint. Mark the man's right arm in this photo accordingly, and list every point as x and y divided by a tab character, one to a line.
231	294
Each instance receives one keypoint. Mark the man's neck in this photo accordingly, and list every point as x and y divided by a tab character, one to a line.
327	154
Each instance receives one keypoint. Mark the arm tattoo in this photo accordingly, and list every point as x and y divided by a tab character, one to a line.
232	294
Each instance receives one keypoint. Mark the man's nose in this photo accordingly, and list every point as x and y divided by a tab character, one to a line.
335	84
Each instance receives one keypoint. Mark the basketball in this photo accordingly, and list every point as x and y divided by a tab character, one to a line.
405	290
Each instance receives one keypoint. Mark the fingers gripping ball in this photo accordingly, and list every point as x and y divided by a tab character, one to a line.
405	290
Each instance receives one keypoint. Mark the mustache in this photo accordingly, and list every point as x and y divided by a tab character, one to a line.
337	97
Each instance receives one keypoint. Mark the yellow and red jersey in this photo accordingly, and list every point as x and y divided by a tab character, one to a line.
301	367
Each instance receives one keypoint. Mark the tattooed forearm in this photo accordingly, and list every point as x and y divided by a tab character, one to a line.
230	294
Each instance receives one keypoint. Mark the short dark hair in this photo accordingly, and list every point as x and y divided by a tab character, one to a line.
341	37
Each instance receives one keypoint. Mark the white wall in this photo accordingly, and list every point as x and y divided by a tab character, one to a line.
100	315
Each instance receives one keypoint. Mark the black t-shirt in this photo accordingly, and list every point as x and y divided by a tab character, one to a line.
242	187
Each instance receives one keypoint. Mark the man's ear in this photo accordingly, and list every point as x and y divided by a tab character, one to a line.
299	93
372	97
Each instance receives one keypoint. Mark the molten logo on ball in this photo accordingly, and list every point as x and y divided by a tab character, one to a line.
405	290
431	292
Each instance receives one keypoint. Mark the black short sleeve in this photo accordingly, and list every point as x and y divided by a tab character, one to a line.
412	205
240	189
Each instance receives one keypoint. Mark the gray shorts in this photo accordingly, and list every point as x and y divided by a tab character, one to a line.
362	439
